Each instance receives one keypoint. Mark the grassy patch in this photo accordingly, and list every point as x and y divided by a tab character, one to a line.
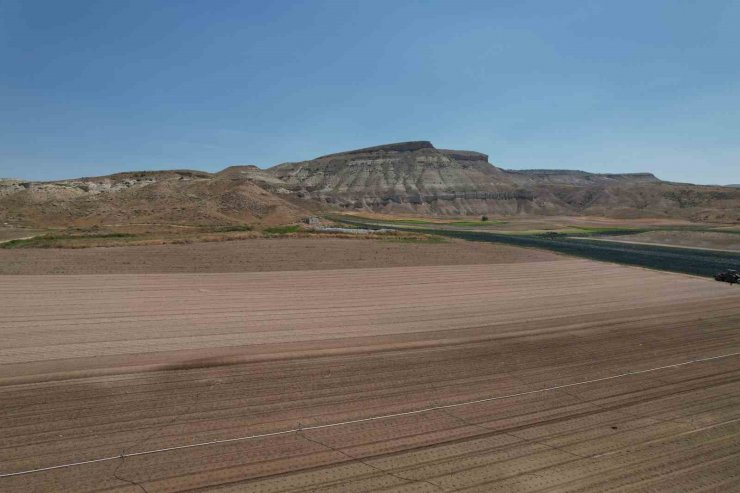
594	231
81	239
421	222
473	223
13	244
65	240
282	230
236	227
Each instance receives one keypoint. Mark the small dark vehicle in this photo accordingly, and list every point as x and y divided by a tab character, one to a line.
730	276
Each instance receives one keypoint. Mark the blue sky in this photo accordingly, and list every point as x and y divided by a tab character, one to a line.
92	87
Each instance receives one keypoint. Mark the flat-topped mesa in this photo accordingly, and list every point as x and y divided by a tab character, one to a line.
416	145
586	174
464	155
558	177
240	167
636	176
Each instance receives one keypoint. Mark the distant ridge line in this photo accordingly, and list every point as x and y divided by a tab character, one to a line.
578	172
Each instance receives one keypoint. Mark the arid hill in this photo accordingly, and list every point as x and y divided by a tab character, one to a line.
160	197
417	177
412	177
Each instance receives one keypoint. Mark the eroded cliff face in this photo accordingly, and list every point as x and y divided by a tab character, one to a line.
405	176
417	177
535	177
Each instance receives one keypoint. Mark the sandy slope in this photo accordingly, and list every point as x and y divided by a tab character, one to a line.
97	366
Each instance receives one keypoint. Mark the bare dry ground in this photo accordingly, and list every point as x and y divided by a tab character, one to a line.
693	239
563	374
260	255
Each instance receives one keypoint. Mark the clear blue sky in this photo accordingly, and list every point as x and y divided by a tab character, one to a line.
93	87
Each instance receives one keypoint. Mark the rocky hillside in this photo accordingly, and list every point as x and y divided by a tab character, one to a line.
161	197
533	177
409	176
417	177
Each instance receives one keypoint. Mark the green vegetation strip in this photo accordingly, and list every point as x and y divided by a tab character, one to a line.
53	240
423	222
229	229
282	230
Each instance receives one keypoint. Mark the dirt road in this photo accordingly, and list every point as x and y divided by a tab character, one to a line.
562	375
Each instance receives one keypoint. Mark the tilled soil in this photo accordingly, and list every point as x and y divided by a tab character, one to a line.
560	375
276	254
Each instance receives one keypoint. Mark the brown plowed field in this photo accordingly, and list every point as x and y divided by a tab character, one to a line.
95	367
260	255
